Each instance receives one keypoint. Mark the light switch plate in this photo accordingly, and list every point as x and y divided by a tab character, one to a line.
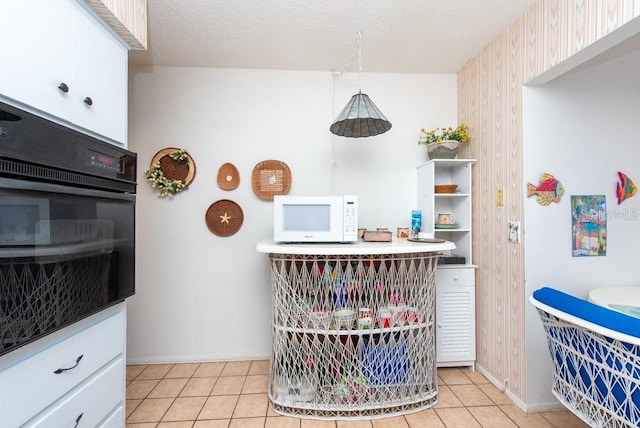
514	232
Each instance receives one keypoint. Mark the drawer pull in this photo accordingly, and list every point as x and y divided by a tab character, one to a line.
88	101
63	87
78	420
71	368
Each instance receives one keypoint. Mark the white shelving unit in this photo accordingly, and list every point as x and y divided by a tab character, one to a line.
455	283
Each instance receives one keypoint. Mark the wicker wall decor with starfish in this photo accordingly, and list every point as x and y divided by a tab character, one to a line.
224	217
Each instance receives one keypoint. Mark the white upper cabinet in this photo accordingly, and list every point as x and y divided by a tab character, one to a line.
36	56
60	61
99	98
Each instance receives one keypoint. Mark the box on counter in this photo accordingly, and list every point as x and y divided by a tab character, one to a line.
377	236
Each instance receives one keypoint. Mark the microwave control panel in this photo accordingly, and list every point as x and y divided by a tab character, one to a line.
350	218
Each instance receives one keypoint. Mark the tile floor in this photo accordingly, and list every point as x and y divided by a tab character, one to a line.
234	394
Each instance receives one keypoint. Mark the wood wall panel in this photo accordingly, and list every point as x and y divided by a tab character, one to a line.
128	18
490	102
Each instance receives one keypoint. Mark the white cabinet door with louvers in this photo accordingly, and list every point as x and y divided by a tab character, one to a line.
455	322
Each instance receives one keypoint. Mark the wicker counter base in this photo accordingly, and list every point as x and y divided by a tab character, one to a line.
361	412
329	367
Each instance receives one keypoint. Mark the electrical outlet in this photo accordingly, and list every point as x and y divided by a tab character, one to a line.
499	198
514	232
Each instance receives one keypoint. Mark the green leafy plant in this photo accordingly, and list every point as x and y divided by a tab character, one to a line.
166	186
438	135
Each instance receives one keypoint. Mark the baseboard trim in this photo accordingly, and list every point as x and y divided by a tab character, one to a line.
527	408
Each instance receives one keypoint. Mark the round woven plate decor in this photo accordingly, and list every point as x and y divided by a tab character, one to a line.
270	178
224	217
228	176
172	169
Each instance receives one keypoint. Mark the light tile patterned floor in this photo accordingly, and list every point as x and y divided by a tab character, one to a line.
234	394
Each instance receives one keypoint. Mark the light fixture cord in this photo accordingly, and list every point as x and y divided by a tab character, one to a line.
359	61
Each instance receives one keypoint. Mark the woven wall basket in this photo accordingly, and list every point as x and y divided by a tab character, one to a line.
173	169
270	178
228	176
224	218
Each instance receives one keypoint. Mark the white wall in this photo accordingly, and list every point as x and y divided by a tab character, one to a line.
582	128
203	297
381	170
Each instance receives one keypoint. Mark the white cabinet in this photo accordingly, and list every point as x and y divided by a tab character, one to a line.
61	61
55	380
99	73
455	317
455	282
81	406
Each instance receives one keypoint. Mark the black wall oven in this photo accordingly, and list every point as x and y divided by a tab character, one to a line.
67	215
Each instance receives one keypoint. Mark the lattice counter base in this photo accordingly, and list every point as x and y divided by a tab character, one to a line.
353	336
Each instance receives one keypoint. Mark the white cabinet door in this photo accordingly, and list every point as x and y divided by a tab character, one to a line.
54	44
99	75
36	54
455	321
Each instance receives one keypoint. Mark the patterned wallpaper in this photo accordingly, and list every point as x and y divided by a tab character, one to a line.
490	102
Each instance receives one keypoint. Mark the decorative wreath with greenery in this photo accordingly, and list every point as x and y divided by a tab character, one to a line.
166	186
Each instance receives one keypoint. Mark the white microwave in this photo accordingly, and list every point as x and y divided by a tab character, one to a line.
315	218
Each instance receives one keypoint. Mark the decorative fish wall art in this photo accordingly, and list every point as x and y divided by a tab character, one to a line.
625	188
548	190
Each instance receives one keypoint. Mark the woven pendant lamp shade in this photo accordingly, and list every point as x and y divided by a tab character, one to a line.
360	118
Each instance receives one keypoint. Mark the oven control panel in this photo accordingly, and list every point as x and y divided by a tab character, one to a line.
104	161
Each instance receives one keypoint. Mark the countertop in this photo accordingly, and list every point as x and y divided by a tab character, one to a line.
396	246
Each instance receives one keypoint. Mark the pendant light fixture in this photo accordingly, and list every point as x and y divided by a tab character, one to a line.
360	117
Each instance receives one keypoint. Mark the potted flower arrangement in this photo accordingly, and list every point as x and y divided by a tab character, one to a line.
443	143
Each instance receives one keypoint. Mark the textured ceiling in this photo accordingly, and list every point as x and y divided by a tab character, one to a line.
398	36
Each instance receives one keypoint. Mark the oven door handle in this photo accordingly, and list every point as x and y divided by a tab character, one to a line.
36	186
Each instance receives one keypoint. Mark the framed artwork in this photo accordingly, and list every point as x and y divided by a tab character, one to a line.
589	225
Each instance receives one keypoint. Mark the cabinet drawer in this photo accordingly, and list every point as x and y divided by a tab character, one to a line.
116	419
82	406
455	277
33	384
